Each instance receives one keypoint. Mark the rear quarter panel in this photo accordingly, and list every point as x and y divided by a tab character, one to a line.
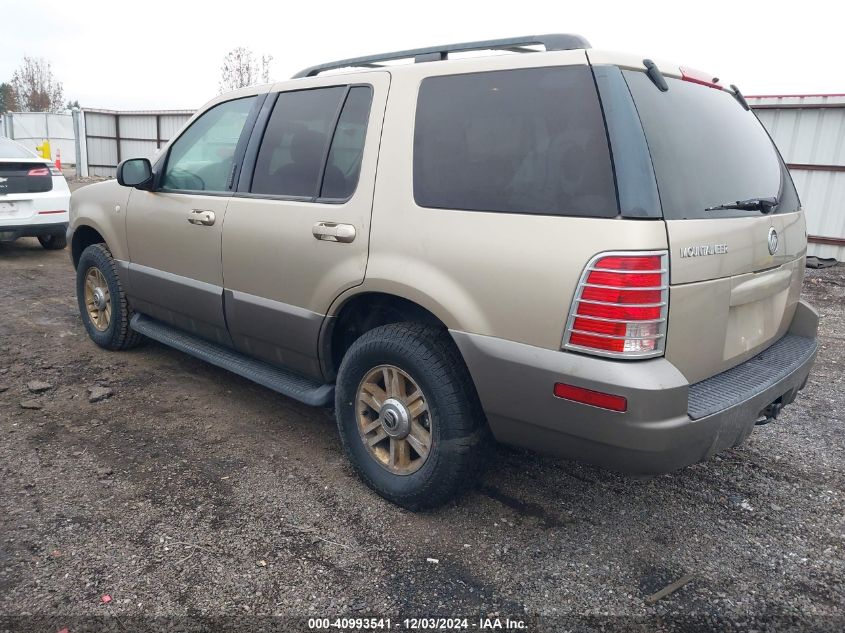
512	276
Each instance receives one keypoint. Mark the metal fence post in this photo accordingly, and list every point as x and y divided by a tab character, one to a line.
76	141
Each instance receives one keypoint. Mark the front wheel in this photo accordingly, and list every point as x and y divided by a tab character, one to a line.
102	303
53	241
408	415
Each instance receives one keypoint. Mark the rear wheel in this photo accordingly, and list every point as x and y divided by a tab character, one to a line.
102	303
409	418
53	241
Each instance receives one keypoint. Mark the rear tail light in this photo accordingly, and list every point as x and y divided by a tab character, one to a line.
620	306
38	171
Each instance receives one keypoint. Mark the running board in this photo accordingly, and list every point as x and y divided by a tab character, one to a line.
283	381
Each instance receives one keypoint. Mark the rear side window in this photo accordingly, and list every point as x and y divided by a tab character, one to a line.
307	131
707	150
516	141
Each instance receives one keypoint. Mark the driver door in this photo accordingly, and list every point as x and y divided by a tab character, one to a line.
174	232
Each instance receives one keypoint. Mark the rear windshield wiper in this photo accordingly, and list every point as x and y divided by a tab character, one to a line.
763	205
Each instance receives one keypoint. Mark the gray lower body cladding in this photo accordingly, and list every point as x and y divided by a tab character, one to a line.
657	433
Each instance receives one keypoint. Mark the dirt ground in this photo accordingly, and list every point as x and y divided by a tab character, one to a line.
196	497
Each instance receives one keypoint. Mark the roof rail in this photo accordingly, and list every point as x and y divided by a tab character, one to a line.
551	42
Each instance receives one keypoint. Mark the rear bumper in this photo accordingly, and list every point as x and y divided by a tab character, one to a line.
669	423
8	233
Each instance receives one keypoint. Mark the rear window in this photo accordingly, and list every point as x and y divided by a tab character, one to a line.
707	150
10	149
516	141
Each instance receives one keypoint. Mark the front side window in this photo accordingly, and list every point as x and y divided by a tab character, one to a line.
515	141
203	157
312	148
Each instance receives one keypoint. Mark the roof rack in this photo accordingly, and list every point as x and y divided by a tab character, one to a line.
551	42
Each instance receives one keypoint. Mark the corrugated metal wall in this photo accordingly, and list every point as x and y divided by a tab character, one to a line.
112	136
809	130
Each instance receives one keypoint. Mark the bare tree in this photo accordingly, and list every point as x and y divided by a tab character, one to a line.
8	98
36	88
265	68
240	68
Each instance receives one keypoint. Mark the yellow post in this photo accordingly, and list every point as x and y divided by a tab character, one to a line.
44	149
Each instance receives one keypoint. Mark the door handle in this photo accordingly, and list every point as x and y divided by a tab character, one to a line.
334	232
201	216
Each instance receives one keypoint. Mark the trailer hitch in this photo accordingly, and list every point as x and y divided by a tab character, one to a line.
770	413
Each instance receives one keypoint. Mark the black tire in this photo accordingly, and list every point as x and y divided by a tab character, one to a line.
459	434
53	241
118	335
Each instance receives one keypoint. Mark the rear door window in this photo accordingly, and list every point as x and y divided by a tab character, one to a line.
344	161
516	141
295	142
313	143
707	150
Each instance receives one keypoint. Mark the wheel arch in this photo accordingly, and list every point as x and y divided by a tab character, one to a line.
355	314
83	237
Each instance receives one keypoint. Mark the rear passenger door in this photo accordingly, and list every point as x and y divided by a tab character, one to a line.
297	230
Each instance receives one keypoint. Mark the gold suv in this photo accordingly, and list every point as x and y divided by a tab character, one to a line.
565	249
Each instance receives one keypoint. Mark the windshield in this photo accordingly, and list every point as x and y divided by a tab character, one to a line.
707	151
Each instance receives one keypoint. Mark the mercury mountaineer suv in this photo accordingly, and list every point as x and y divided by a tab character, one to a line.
561	248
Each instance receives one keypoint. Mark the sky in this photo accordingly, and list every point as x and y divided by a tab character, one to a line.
155	54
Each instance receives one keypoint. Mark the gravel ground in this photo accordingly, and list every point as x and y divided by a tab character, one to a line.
194	496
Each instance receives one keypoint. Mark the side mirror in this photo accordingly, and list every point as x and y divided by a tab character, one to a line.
135	172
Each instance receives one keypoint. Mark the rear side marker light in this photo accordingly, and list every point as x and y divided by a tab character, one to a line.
38	171
593	398
620	306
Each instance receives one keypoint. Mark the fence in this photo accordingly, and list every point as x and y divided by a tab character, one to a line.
32	128
809	130
106	136
111	136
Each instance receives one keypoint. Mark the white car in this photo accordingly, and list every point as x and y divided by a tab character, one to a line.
34	197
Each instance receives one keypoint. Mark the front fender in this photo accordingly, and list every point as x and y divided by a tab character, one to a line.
102	207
